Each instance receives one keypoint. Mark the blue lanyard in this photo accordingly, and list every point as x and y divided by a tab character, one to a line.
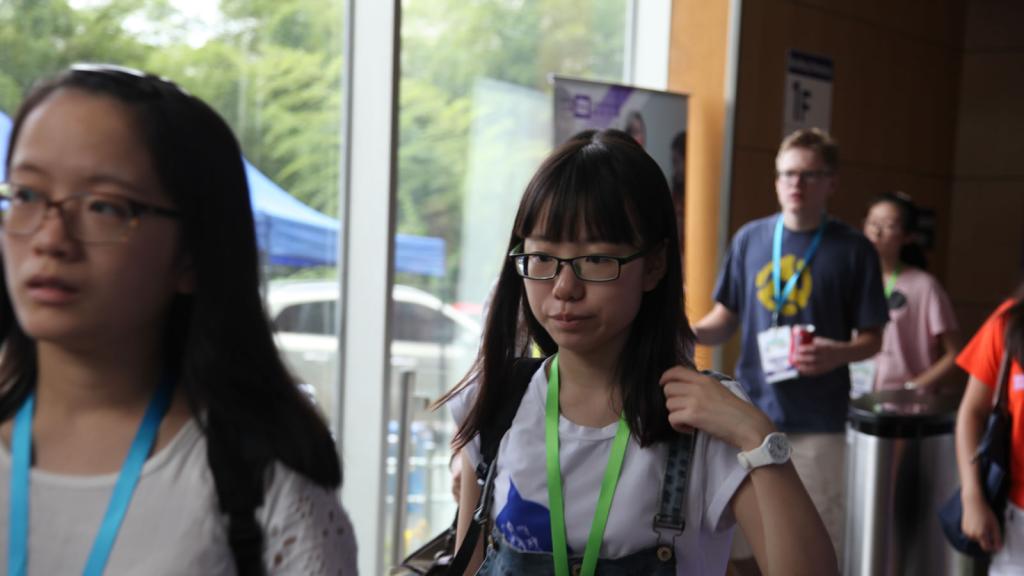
21	444
781	294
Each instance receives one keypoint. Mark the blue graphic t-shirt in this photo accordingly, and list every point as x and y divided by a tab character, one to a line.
840	291
520	507
525	525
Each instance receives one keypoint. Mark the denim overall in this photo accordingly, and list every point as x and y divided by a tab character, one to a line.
504	560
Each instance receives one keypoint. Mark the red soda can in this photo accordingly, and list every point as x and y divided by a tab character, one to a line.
801	334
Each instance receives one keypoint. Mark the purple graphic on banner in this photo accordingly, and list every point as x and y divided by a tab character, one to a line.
581	106
608	109
602	114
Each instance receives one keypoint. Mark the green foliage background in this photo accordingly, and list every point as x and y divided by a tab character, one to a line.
274	70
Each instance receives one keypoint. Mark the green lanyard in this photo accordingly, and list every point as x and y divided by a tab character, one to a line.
604	502
891	282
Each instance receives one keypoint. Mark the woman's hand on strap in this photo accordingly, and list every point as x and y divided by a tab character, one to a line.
773	509
700	401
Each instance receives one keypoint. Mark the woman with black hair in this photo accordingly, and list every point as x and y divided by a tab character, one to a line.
600	466
148	423
920	342
1003	331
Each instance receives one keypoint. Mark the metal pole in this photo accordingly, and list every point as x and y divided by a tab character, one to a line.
408	383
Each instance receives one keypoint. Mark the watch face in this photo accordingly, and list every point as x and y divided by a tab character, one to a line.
778	448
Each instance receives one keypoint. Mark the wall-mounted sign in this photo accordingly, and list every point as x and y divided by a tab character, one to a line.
808	101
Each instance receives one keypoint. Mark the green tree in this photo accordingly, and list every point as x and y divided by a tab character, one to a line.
273	69
39	37
447	46
275	73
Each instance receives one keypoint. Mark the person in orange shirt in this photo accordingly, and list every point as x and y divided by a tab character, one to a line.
980	358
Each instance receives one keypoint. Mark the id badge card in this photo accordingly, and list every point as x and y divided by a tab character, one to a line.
774	346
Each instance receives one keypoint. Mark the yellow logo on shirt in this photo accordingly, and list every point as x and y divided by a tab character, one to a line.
800	295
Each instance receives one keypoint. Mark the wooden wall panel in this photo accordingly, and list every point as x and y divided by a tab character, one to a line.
760	83
893	97
986	256
994	25
991	120
697	61
986	240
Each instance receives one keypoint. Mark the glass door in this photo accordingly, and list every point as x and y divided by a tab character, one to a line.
474	121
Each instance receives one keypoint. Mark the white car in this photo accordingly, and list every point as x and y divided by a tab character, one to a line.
433	340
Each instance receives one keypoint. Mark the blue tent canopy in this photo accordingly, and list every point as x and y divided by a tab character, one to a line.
290	233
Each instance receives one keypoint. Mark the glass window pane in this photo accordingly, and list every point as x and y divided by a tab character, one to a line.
474	122
273	70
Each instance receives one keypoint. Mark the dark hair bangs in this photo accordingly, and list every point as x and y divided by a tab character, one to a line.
581	200
598	186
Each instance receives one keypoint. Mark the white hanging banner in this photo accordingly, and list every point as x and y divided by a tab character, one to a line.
808	101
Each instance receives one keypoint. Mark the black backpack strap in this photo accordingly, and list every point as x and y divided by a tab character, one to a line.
239	482
672	504
512	396
490	439
476	526
671	514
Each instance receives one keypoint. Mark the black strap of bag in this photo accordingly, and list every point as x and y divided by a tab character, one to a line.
672	507
995	441
671	516
672	504
490	439
1000	404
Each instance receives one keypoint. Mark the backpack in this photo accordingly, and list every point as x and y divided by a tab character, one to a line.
439	555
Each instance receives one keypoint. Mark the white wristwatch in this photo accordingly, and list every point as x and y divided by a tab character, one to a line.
774	450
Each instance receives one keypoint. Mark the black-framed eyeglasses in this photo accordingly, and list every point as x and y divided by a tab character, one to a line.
89	217
809	176
589	267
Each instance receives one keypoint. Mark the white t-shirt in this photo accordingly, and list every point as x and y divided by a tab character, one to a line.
520	508
173	525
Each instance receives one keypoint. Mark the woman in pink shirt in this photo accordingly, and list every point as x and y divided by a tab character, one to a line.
921	340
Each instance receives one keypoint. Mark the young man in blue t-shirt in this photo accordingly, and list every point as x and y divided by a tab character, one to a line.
800	267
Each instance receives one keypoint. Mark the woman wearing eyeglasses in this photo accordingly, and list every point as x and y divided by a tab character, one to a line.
921	340
613	455
148	424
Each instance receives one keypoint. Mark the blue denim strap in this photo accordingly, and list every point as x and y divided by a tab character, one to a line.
672	505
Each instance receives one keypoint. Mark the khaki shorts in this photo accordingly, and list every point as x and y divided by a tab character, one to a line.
820	461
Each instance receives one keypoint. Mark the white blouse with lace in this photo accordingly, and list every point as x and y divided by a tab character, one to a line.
173	525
